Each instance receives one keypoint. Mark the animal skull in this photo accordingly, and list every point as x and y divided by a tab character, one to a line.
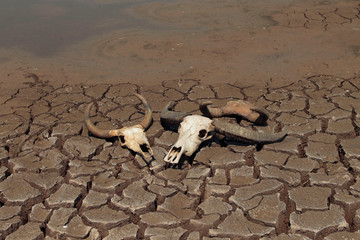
194	129
132	137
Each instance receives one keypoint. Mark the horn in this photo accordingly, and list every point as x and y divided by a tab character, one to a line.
263	115
210	112
257	115
239	133
92	128
146	122
171	119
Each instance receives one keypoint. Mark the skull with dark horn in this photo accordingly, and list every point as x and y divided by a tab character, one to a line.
132	137
194	129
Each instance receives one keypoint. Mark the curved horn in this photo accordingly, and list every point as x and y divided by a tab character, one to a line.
146	122
244	109
92	128
210	112
243	134
171	119
263	115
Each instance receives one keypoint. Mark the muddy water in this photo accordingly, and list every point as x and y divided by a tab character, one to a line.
45	27
146	42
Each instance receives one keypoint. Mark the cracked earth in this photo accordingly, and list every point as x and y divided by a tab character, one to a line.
57	181
298	60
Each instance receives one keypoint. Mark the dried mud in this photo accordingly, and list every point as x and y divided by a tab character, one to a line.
299	61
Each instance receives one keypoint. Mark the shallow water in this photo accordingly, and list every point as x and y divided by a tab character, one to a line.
44	27
147	41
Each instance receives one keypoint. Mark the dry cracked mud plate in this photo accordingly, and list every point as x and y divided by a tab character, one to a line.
57	181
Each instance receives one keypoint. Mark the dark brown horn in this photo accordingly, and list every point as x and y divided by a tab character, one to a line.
171	119
239	133
92	128
146	122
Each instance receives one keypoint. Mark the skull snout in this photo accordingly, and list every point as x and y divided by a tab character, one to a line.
174	154
134	138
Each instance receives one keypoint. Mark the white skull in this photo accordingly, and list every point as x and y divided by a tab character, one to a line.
134	138
193	130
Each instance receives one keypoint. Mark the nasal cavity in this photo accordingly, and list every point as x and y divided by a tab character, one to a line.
144	147
176	149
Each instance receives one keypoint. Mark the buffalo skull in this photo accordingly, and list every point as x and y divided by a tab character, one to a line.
194	129
132	137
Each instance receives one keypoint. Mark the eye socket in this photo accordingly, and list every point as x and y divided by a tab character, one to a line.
122	139
202	133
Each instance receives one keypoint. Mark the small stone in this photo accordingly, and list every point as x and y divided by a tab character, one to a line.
237	224
65	221
343	236
310	197
105	217
219	177
39	213
198	172
8	212
44	180
320	106
65	196
30	231
351	147
157	219
219	157
172	174
269	209
311	126
106	182
135	197
194	236
215	205
301	164
3	171
205	220
248	192
179	206
284	236
164	234
322	138
8	224
127	231
345	198
320	150
343	126
291	178
336	175
242	176
82	147
78	168
94	198
289	144
161	190
216	190
167	138
269	157
193	186
16	190
316	221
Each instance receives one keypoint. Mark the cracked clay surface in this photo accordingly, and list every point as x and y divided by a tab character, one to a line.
59	182
297	59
